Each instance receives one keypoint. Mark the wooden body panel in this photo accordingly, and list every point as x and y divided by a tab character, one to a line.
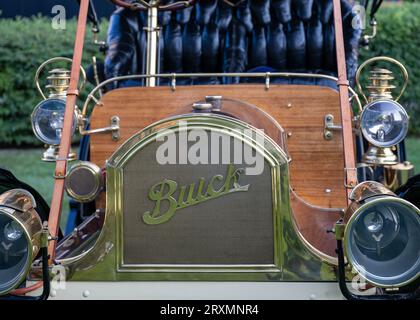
317	164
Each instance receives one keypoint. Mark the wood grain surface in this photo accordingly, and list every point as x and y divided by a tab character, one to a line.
316	170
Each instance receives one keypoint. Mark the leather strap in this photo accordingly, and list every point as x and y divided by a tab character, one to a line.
72	92
343	82
350	173
61	164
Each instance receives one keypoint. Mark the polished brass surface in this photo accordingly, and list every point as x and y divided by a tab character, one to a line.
51	154
61	74
84	175
174	76
132	259
397	175
367	37
80	241
320	222
157	194
17	199
19	205
292	259
369	189
379	156
380	88
58	83
380	78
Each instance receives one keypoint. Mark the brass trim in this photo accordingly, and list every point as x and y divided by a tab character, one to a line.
52	60
271	152
381	58
96	172
174	76
367	189
294	260
323	256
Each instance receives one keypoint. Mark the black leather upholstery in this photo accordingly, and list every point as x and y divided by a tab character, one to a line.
271	35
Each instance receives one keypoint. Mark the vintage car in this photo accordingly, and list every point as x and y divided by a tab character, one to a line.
224	154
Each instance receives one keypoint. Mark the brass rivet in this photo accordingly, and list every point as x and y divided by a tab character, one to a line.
289	105
289	134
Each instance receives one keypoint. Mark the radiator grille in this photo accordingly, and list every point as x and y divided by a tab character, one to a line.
233	229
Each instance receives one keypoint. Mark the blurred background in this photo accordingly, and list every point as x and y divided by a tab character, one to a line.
27	39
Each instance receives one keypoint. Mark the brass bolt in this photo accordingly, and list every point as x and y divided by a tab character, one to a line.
328	135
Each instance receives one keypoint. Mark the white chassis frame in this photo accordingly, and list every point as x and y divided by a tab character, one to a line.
195	290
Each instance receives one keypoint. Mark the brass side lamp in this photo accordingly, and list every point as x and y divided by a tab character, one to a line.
383	121
48	116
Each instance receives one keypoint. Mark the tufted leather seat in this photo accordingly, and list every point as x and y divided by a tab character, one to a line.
257	35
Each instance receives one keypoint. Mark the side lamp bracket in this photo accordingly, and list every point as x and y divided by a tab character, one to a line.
114	128
329	127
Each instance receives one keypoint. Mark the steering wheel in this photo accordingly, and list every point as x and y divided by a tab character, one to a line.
142	5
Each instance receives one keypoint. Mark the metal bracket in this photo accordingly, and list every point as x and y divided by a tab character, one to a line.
114	128
267	81
173	82
329	127
350	184
338	230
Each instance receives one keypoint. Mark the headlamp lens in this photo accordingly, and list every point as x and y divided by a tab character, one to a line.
382	241
384	123
13	231
14	252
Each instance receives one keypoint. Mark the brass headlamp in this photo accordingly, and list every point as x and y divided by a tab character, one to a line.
48	116
381	236
20	237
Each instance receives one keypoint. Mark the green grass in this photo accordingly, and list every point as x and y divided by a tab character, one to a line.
413	152
27	166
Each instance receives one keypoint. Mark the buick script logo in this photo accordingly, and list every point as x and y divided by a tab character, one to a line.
190	195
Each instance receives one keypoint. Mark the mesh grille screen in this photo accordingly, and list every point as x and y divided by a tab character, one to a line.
235	228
